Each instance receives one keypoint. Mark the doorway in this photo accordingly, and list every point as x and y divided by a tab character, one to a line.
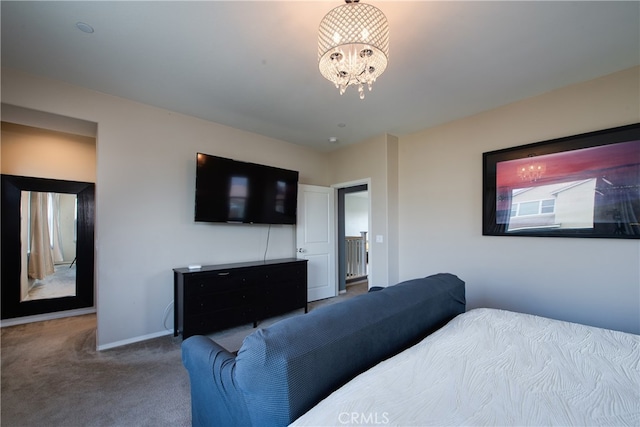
47	223
353	236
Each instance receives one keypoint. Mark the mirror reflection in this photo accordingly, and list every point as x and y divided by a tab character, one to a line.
48	232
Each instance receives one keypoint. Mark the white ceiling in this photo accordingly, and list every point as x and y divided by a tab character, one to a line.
253	65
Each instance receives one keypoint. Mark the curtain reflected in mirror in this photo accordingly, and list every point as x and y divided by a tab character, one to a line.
48	235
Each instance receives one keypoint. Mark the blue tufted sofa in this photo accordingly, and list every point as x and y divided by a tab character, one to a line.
282	371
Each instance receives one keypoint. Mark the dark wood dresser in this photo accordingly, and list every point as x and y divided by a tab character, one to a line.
216	297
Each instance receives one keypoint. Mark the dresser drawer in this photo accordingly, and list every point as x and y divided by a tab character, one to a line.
281	299
219	300
289	272
208	283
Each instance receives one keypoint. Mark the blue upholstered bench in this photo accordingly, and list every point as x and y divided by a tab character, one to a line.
282	371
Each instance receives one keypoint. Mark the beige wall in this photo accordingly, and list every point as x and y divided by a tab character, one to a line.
592	281
393	209
425	191
31	151
375	161
145	180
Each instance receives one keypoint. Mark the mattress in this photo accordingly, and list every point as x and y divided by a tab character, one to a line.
495	367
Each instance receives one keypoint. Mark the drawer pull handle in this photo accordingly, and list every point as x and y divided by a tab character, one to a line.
223	274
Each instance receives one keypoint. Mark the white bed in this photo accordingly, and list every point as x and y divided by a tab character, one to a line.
495	367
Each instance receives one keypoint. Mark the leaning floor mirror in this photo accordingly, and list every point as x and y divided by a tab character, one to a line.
47	245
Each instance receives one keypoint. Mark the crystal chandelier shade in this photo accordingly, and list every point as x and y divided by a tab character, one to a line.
353	45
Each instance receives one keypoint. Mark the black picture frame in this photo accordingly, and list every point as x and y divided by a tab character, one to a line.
12	186
586	185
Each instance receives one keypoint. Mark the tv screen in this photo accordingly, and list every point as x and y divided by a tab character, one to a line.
239	192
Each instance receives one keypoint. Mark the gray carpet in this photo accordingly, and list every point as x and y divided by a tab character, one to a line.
52	375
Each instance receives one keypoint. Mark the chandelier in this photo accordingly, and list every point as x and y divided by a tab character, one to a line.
353	45
531	171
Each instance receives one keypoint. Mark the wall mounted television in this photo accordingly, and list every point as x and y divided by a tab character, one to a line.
231	191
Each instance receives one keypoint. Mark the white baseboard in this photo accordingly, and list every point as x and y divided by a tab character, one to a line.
78	312
46	316
133	340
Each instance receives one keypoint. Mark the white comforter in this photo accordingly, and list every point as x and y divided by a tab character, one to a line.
495	367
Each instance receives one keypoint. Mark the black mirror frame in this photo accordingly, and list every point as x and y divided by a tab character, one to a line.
492	226
12	186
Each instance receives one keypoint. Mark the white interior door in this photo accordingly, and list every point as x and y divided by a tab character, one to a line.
315	237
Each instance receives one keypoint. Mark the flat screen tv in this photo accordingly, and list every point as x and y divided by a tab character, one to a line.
232	191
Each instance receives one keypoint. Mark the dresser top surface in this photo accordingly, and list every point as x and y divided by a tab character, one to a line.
217	267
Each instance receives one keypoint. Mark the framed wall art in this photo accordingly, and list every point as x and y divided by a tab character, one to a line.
586	185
